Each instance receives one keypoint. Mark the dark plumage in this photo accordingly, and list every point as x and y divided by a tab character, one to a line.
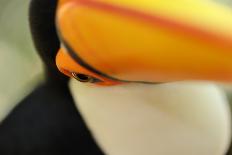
46	121
42	23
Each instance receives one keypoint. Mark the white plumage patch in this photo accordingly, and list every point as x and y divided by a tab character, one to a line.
181	118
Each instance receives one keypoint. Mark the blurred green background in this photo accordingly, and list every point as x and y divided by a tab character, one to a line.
20	67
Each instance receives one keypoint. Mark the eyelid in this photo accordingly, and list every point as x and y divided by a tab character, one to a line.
67	65
94	79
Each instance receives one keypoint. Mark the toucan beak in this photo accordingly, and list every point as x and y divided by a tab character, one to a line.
145	40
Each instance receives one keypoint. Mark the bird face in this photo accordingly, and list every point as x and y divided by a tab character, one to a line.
114	42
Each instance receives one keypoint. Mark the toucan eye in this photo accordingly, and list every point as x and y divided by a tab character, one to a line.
82	77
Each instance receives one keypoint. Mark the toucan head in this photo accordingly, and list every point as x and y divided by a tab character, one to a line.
114	42
110	42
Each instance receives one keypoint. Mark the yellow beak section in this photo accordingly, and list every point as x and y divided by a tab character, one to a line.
148	40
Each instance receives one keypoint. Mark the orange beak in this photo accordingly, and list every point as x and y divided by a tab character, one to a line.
152	41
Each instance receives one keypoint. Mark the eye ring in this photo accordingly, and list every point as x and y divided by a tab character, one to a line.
82	77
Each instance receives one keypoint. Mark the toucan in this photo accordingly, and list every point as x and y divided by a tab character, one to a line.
134	61
133	56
